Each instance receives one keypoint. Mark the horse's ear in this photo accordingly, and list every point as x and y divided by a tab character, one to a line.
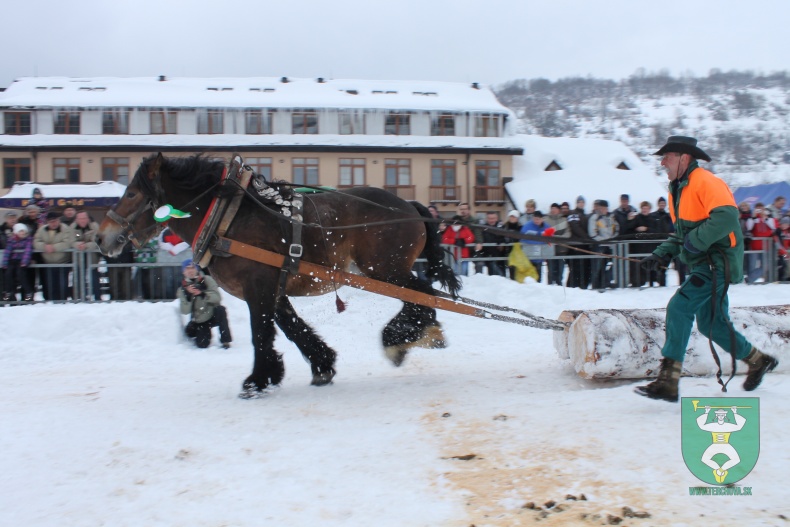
155	165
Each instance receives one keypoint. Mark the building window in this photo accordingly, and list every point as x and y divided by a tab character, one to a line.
487	173
257	122
623	166
17	123
352	172
487	125
552	167
115	122
397	172
115	169
163	122
66	170
305	122
305	171
443	125
443	187
443	172
67	122
397	123
210	121
351	122
261	166
15	169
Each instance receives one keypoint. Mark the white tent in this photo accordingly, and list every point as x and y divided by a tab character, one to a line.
102	194
553	170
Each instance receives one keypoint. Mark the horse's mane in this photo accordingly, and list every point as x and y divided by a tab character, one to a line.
193	173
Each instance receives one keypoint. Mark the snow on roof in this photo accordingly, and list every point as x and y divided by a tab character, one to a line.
588	169
231	141
103	189
255	92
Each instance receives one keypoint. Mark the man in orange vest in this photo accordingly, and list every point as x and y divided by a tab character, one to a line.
708	238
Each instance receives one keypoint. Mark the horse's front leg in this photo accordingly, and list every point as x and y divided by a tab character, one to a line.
320	356
268	369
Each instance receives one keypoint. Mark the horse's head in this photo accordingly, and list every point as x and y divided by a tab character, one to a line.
132	218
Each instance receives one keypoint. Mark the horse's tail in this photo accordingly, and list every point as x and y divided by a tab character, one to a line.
433	252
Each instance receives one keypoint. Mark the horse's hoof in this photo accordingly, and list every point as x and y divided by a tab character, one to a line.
396	354
323	378
250	390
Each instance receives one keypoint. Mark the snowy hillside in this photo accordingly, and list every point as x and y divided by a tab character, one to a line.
741	120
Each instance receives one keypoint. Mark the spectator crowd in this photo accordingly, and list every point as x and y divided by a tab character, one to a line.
40	247
580	264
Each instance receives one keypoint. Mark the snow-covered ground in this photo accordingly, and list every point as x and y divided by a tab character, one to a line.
109	418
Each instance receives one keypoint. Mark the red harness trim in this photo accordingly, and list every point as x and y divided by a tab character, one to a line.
210	213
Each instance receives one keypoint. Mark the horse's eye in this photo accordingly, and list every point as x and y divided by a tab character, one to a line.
130	195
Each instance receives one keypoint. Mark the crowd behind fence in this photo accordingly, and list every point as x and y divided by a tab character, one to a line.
90	278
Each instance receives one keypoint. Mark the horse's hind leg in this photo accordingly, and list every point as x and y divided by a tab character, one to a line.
414	326
320	356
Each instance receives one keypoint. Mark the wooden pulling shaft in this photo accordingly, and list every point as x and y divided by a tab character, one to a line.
226	245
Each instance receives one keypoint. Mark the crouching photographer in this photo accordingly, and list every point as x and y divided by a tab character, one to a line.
199	296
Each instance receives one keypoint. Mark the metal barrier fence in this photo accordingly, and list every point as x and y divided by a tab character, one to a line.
89	278
765	260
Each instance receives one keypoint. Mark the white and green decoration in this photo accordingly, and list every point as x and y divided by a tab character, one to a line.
166	212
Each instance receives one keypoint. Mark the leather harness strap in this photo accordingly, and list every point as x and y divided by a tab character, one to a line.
325	274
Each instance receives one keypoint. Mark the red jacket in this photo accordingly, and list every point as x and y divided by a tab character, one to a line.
465	233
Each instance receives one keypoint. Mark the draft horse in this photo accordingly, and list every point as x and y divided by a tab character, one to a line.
385	251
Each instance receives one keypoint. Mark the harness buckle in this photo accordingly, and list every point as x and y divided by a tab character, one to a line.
295	250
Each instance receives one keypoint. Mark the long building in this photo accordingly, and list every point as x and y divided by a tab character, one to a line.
436	142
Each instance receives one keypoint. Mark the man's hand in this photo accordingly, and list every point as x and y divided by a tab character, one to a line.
654	262
734	410
707	410
192	289
690	246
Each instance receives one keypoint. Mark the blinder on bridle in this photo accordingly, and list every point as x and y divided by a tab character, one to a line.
128	233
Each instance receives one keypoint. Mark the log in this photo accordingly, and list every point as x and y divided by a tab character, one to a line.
626	343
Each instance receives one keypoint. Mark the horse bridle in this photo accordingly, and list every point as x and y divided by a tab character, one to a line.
128	233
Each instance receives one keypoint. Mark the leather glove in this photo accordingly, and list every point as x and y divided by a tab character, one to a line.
460	242
690	246
654	262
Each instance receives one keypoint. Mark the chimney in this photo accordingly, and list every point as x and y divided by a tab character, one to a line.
162	78
284	80
476	85
320	80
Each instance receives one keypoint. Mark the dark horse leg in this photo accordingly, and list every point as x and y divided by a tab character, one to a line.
320	356
414	326
268	369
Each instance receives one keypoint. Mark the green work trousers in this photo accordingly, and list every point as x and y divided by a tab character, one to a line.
693	299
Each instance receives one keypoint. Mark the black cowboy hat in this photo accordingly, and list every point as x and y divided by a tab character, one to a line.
683	145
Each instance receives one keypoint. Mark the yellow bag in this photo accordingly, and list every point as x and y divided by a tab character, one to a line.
521	263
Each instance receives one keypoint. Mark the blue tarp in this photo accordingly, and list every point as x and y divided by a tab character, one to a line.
764	194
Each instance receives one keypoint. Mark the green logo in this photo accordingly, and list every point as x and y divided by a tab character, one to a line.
720	437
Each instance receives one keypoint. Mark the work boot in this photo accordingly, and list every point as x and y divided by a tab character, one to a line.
666	386
759	364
